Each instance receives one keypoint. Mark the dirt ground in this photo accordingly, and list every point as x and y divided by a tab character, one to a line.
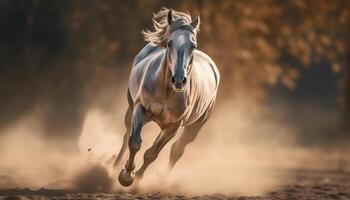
304	184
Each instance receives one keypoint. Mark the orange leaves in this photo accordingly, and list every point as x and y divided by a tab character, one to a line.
266	49
290	77
272	73
249	40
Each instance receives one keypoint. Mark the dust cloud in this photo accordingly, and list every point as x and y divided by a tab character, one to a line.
239	151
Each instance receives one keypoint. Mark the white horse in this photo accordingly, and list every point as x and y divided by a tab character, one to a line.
172	84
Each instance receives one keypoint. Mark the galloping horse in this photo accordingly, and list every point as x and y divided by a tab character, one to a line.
172	84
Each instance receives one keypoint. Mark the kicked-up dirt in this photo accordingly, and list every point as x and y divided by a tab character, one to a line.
302	184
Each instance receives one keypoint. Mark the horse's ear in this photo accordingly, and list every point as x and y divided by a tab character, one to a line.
170	17
195	23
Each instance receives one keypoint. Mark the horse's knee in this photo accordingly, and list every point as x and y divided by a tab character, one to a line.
134	143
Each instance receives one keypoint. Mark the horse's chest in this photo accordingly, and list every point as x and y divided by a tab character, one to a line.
167	111
175	109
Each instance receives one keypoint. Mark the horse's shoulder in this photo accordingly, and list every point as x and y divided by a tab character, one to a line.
203	57
149	49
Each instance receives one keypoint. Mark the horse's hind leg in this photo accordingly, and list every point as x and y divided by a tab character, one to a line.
127	122
139	118
151	154
188	136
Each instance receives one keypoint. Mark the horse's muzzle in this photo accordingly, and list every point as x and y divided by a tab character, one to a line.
178	83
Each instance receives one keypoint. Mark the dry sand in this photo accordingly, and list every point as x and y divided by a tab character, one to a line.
304	184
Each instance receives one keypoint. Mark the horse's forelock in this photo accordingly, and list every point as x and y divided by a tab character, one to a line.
162	30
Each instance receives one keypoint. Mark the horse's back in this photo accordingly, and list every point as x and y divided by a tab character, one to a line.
149	50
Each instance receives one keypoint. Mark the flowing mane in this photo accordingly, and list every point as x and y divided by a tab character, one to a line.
161	27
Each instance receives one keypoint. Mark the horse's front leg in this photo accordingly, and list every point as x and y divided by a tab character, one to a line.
151	154
139	118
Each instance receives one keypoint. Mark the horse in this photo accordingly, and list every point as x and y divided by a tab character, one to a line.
172	84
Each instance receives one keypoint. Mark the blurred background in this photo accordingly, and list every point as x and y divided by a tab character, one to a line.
285	62
63	55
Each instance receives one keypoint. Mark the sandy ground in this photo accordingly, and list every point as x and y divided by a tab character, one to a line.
303	184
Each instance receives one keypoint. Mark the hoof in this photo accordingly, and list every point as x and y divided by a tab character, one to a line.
126	178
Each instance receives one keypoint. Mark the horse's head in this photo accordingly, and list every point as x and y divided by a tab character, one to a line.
180	46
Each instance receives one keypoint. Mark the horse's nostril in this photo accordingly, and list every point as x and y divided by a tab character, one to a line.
184	80
173	80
